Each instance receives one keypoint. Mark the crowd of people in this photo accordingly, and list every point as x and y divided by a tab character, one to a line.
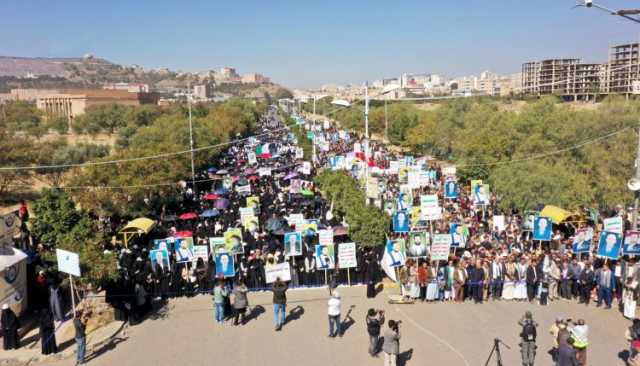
493	254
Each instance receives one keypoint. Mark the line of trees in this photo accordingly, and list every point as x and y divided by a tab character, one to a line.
490	141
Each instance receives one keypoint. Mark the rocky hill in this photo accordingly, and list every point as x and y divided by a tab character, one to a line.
42	66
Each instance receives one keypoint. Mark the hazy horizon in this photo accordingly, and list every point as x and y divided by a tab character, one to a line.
302	45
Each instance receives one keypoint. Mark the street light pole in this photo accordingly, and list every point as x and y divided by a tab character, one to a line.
193	169
386	124
366	146
313	141
636	201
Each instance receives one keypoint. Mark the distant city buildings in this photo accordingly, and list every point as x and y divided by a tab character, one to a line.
128	87
570	78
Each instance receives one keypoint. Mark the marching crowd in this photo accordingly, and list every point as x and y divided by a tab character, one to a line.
492	260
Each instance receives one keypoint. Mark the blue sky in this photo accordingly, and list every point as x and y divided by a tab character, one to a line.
309	43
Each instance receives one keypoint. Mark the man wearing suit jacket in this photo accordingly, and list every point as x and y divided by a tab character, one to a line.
476	277
496	274
606	282
532	279
459	280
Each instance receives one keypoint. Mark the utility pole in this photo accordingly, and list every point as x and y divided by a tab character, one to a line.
366	146
193	169
313	140
636	201
386	124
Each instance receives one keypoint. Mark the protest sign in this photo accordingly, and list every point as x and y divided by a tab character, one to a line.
306	167
244	189
251	157
431	213
414	179
440	247
325	257
184	250
299	153
372	187
347	255
449	170
542	228
292	244
201	251
428	201
233	241
68	262
499	223
325	237
613	224
582	240
297	221
225	265
609	245
216	244
264	172
395	252
631	243
281	270
418	242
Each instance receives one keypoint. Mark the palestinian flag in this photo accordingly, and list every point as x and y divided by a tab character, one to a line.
263	151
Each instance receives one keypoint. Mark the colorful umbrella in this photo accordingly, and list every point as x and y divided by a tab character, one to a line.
253	177
210	213
249	171
189	216
290	175
211	197
222	204
221	191
184	234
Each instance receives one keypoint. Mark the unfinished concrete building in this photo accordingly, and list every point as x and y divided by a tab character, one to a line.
566	77
622	70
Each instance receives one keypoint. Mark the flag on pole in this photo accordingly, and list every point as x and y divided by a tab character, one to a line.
263	151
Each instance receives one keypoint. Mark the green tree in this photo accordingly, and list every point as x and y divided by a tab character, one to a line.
368	225
57	222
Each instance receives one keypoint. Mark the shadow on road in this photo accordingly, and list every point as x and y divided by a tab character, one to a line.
404	357
624	356
294	314
347	322
255	312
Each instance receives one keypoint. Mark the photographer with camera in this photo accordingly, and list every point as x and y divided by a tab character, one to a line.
375	320
391	345
528	335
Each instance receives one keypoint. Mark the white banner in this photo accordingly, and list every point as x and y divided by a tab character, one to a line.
68	262
440	247
347	255
613	225
325	237
264	171
281	270
429	201
431	213
449	170
201	251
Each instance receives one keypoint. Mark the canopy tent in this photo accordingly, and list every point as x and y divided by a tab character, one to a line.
139	226
557	214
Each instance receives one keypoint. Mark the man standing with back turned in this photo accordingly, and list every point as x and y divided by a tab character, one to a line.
279	303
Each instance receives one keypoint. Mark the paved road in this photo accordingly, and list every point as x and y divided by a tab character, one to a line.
437	334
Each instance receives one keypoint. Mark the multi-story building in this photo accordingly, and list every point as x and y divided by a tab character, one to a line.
567	77
72	103
255	78
202	92
622	70
129	87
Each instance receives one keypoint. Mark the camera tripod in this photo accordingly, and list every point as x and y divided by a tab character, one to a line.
496	349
